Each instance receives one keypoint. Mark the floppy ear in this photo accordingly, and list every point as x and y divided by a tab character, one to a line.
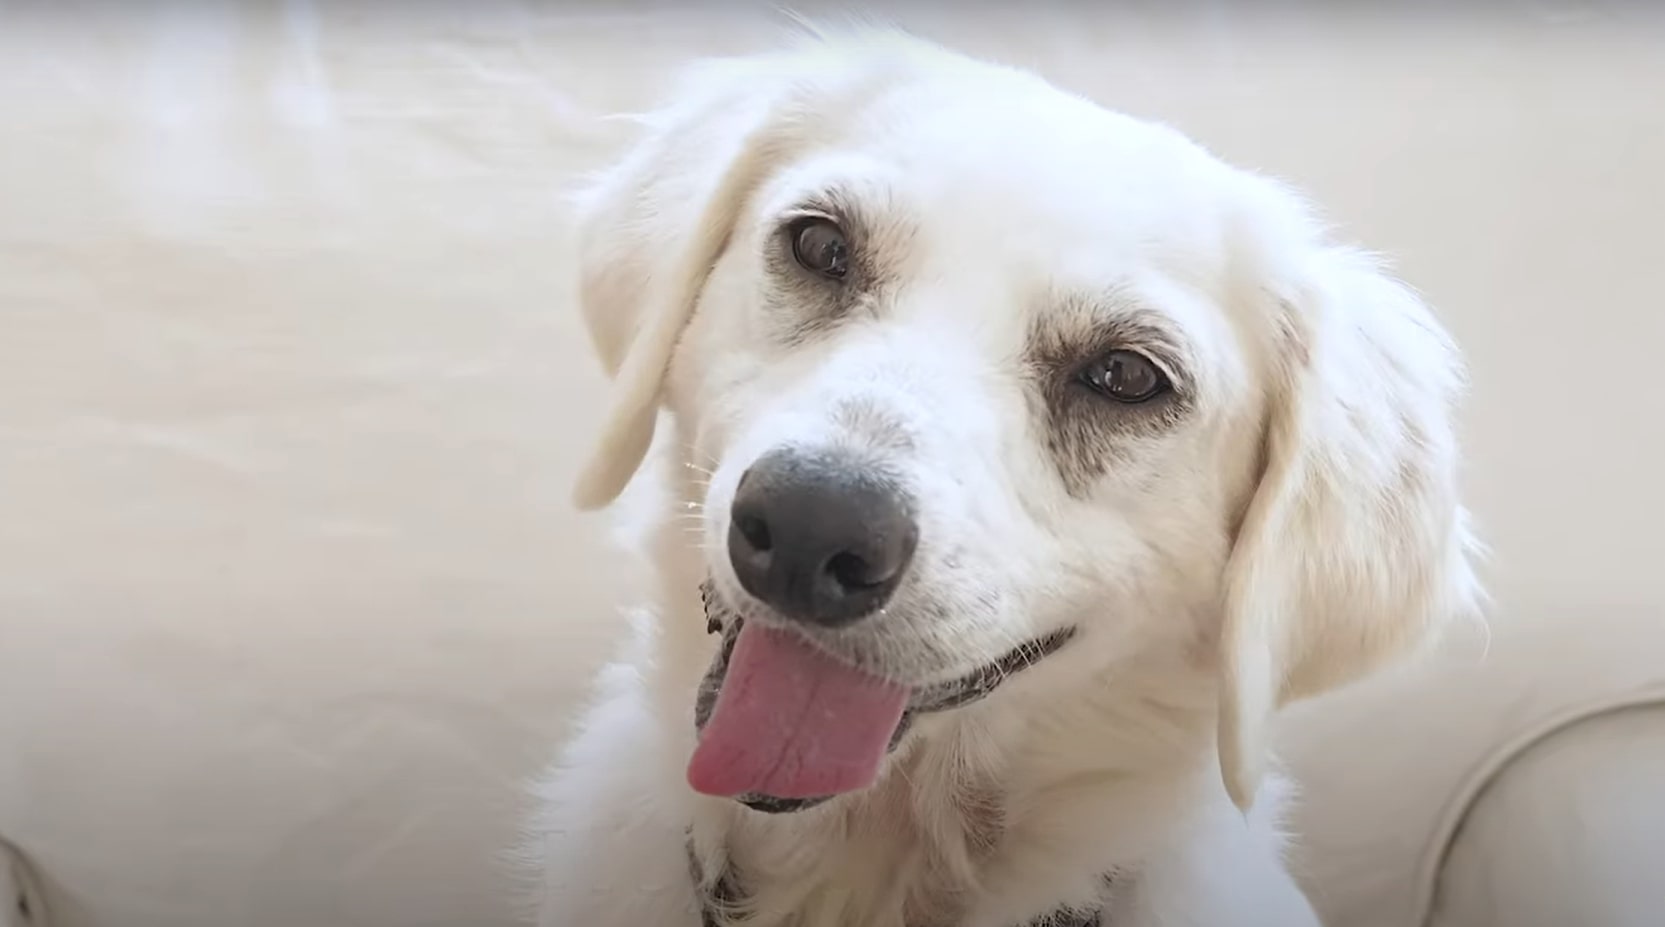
649	229
1354	548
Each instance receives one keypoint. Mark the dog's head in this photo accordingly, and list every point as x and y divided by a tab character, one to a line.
979	368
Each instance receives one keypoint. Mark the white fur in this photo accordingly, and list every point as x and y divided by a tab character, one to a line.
1300	527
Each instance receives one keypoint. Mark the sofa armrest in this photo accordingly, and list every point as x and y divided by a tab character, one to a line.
1569	829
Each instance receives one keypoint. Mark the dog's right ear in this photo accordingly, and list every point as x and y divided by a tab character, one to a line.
649	230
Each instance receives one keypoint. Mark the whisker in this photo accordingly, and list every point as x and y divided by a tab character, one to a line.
694	450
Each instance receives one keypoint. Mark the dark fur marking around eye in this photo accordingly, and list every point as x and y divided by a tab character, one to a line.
800	305
1086	435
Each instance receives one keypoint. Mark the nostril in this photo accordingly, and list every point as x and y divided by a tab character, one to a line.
819	538
852	572
756	532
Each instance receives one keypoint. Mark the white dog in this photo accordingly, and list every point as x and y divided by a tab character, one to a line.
1025	460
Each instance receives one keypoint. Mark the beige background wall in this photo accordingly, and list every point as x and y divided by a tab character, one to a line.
291	388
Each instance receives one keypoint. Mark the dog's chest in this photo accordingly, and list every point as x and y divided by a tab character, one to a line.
884	866
715	911
728	902
1064	917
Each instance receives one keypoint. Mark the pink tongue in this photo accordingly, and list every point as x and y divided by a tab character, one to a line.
792	722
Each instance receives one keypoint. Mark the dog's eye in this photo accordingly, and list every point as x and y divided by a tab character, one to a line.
1126	376
820	247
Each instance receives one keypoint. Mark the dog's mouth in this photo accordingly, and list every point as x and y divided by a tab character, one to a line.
785	726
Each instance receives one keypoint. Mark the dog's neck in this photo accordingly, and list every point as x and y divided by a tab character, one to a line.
940	826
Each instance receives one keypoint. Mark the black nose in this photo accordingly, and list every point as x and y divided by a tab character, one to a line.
818	537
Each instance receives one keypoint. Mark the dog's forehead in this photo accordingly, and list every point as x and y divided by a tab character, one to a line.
1036	152
991	192
977	159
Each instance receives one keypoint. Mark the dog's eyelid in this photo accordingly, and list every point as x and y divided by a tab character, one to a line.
1164	361
1156	341
812	211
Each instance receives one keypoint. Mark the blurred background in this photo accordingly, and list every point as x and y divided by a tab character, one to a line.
292	389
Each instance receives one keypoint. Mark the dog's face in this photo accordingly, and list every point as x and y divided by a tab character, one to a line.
977	371
1004	403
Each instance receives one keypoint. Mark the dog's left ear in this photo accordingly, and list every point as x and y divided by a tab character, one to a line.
1355	548
651	227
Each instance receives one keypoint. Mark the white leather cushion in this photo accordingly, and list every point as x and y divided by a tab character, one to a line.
1389	769
1570	831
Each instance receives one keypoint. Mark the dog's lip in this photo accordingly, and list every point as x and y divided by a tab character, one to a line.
965	689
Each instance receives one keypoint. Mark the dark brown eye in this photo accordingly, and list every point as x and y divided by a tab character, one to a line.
1126	376
819	246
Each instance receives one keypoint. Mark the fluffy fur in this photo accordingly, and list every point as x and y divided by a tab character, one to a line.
1285	524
